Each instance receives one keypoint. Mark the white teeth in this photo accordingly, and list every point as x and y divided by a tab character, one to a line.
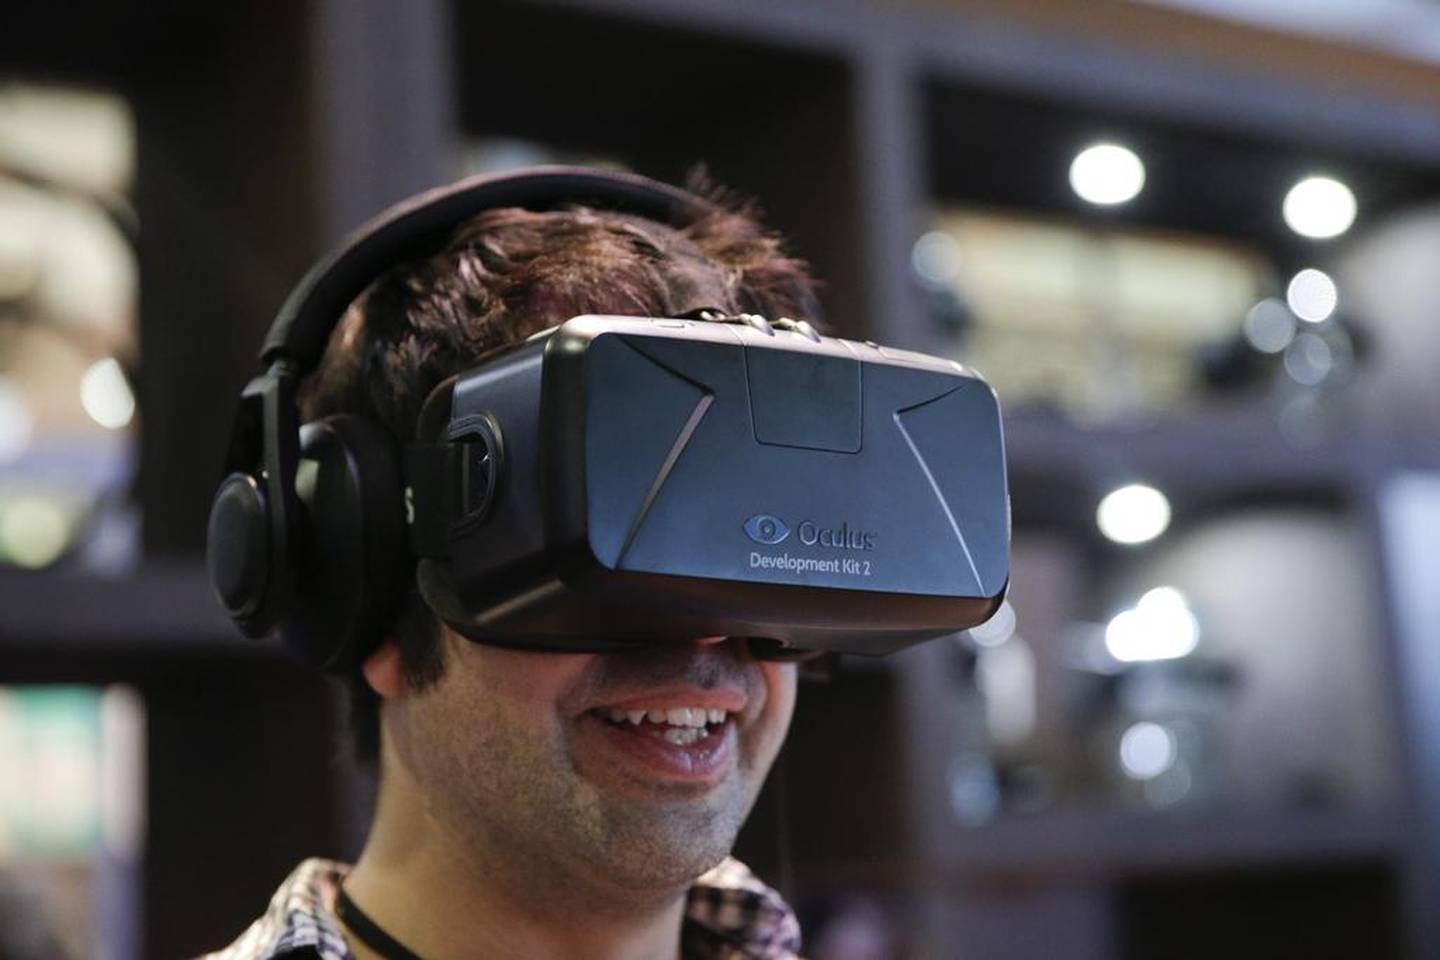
692	716
683	736
685	718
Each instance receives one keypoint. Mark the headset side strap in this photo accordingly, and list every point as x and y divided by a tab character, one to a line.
450	487
432	494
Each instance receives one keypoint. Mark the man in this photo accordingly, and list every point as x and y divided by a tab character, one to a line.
541	804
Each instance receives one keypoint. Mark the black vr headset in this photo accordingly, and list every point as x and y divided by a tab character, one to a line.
613	482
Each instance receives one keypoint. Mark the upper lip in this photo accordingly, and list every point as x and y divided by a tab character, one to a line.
729	699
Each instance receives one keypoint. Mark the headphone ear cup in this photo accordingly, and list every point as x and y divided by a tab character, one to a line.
237	551
355	555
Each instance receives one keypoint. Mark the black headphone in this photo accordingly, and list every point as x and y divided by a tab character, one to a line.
307	535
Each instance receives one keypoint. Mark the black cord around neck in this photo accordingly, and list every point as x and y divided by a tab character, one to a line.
368	931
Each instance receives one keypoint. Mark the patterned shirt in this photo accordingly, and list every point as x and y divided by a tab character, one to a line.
729	915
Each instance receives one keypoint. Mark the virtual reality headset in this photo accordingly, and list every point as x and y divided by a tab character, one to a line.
615	482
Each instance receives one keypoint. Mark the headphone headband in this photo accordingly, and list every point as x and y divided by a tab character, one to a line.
255	523
415	227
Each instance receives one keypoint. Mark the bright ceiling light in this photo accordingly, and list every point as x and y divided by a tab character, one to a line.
1312	295
1133	514
1107	174
1319	208
1159	627
105	395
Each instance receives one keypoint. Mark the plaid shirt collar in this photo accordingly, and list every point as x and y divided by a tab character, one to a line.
729	915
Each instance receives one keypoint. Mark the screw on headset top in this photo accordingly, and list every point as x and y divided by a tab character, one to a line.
749	319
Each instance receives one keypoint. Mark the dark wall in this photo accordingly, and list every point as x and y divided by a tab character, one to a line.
226	205
775	124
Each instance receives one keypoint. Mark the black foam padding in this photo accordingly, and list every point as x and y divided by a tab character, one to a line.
355	560
237	545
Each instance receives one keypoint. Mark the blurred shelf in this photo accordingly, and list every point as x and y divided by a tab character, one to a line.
1199	448
1212	455
162	608
1116	846
1386	111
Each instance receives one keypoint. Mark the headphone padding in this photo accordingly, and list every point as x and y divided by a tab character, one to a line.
237	546
355	554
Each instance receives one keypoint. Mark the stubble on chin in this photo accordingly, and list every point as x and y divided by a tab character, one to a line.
663	843
515	801
520	809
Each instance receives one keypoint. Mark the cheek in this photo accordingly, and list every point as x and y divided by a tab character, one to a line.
533	685
493	699
780	687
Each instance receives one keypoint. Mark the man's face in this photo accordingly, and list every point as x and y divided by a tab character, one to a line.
535	760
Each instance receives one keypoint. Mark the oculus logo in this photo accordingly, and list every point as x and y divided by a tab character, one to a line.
769	530
843	537
763	528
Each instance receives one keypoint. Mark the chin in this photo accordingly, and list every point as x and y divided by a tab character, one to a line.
670	850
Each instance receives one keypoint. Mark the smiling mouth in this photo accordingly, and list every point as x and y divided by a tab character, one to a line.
679	726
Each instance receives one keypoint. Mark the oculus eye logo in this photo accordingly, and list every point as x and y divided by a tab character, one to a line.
763	528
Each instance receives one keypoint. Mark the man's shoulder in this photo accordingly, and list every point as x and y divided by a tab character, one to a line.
298	922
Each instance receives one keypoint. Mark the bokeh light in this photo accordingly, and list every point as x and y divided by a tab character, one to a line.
1107	174
1319	208
1133	514
1159	627
106	395
1309	359
936	258
1147	750
34	530
997	629
1269	326
1311	295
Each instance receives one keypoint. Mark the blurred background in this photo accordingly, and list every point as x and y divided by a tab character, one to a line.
1195	245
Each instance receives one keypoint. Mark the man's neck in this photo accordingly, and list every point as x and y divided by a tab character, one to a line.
444	903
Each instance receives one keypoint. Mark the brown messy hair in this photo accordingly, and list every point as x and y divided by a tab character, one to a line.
503	276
